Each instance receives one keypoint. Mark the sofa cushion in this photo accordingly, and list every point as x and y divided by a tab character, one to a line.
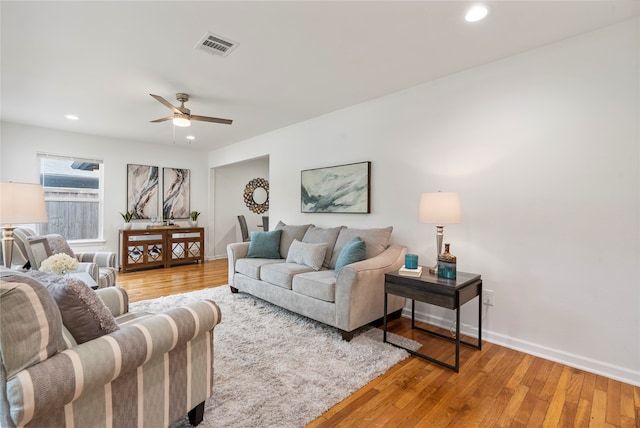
265	245
354	251
319	285
281	274
376	240
84	314
303	253
31	323
317	235
251	267
289	233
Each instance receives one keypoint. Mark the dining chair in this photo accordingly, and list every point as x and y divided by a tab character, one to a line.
243	228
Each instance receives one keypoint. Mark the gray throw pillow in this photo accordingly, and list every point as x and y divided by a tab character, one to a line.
311	255
265	245
84	314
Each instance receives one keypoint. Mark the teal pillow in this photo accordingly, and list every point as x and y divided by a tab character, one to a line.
354	251
265	245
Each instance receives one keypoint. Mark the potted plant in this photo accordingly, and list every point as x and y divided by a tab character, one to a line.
193	218
127	219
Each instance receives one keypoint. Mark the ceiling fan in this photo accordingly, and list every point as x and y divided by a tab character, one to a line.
182	116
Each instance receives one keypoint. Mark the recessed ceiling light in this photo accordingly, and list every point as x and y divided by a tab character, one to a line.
190	137
72	117
476	13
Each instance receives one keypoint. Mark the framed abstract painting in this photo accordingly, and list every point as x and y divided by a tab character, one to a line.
142	191
176	183
337	189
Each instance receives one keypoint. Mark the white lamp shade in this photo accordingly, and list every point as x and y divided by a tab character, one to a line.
22	203
440	208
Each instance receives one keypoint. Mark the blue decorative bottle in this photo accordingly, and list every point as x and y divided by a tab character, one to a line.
447	264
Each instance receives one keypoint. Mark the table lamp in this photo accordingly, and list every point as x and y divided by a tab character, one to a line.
20	203
439	208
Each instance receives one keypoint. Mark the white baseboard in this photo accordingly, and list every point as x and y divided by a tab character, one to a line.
602	368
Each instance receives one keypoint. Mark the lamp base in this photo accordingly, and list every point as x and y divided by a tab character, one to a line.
439	235
7	245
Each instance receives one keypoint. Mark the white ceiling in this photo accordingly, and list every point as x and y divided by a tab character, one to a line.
295	60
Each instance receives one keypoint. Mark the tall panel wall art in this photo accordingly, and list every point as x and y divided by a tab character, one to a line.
176	184
142	191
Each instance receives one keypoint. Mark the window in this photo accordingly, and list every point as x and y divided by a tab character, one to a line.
73	196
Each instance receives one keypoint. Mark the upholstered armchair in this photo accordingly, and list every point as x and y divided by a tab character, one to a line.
74	357
100	265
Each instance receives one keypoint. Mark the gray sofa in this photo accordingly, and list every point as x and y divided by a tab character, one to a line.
299	276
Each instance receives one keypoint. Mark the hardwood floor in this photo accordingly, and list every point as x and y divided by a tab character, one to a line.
495	387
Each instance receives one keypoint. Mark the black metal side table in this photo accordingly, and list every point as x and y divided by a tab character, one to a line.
446	293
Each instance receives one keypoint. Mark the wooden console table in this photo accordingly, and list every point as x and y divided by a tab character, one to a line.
160	247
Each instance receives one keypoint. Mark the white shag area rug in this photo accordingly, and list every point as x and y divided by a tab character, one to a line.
274	368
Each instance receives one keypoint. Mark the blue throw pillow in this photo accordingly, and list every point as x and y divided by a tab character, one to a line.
265	245
354	251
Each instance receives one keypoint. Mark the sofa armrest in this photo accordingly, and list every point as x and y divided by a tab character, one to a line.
56	382
116	299
360	288
235	251
100	258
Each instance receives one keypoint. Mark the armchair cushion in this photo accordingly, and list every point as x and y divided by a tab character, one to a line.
31	324
84	314
57	245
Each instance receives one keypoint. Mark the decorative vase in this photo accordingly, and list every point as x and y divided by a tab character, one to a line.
411	261
193	223
126	226
447	264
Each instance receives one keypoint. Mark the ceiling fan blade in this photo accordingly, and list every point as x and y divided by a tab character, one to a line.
163	119
211	119
166	103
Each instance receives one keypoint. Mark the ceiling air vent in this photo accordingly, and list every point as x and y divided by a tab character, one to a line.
216	45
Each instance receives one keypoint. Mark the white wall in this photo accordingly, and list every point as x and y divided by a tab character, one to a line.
228	197
544	149
19	145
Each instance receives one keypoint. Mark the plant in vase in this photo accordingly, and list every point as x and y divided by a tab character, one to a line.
59	264
193	218
127	219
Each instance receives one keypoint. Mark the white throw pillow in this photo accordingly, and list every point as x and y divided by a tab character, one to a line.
303	253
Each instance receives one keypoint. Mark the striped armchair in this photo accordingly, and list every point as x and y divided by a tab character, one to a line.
100	265
150	370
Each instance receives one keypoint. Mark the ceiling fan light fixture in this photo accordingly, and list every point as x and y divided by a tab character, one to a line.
476	13
181	120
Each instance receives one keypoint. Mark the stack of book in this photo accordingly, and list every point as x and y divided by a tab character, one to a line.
411	272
